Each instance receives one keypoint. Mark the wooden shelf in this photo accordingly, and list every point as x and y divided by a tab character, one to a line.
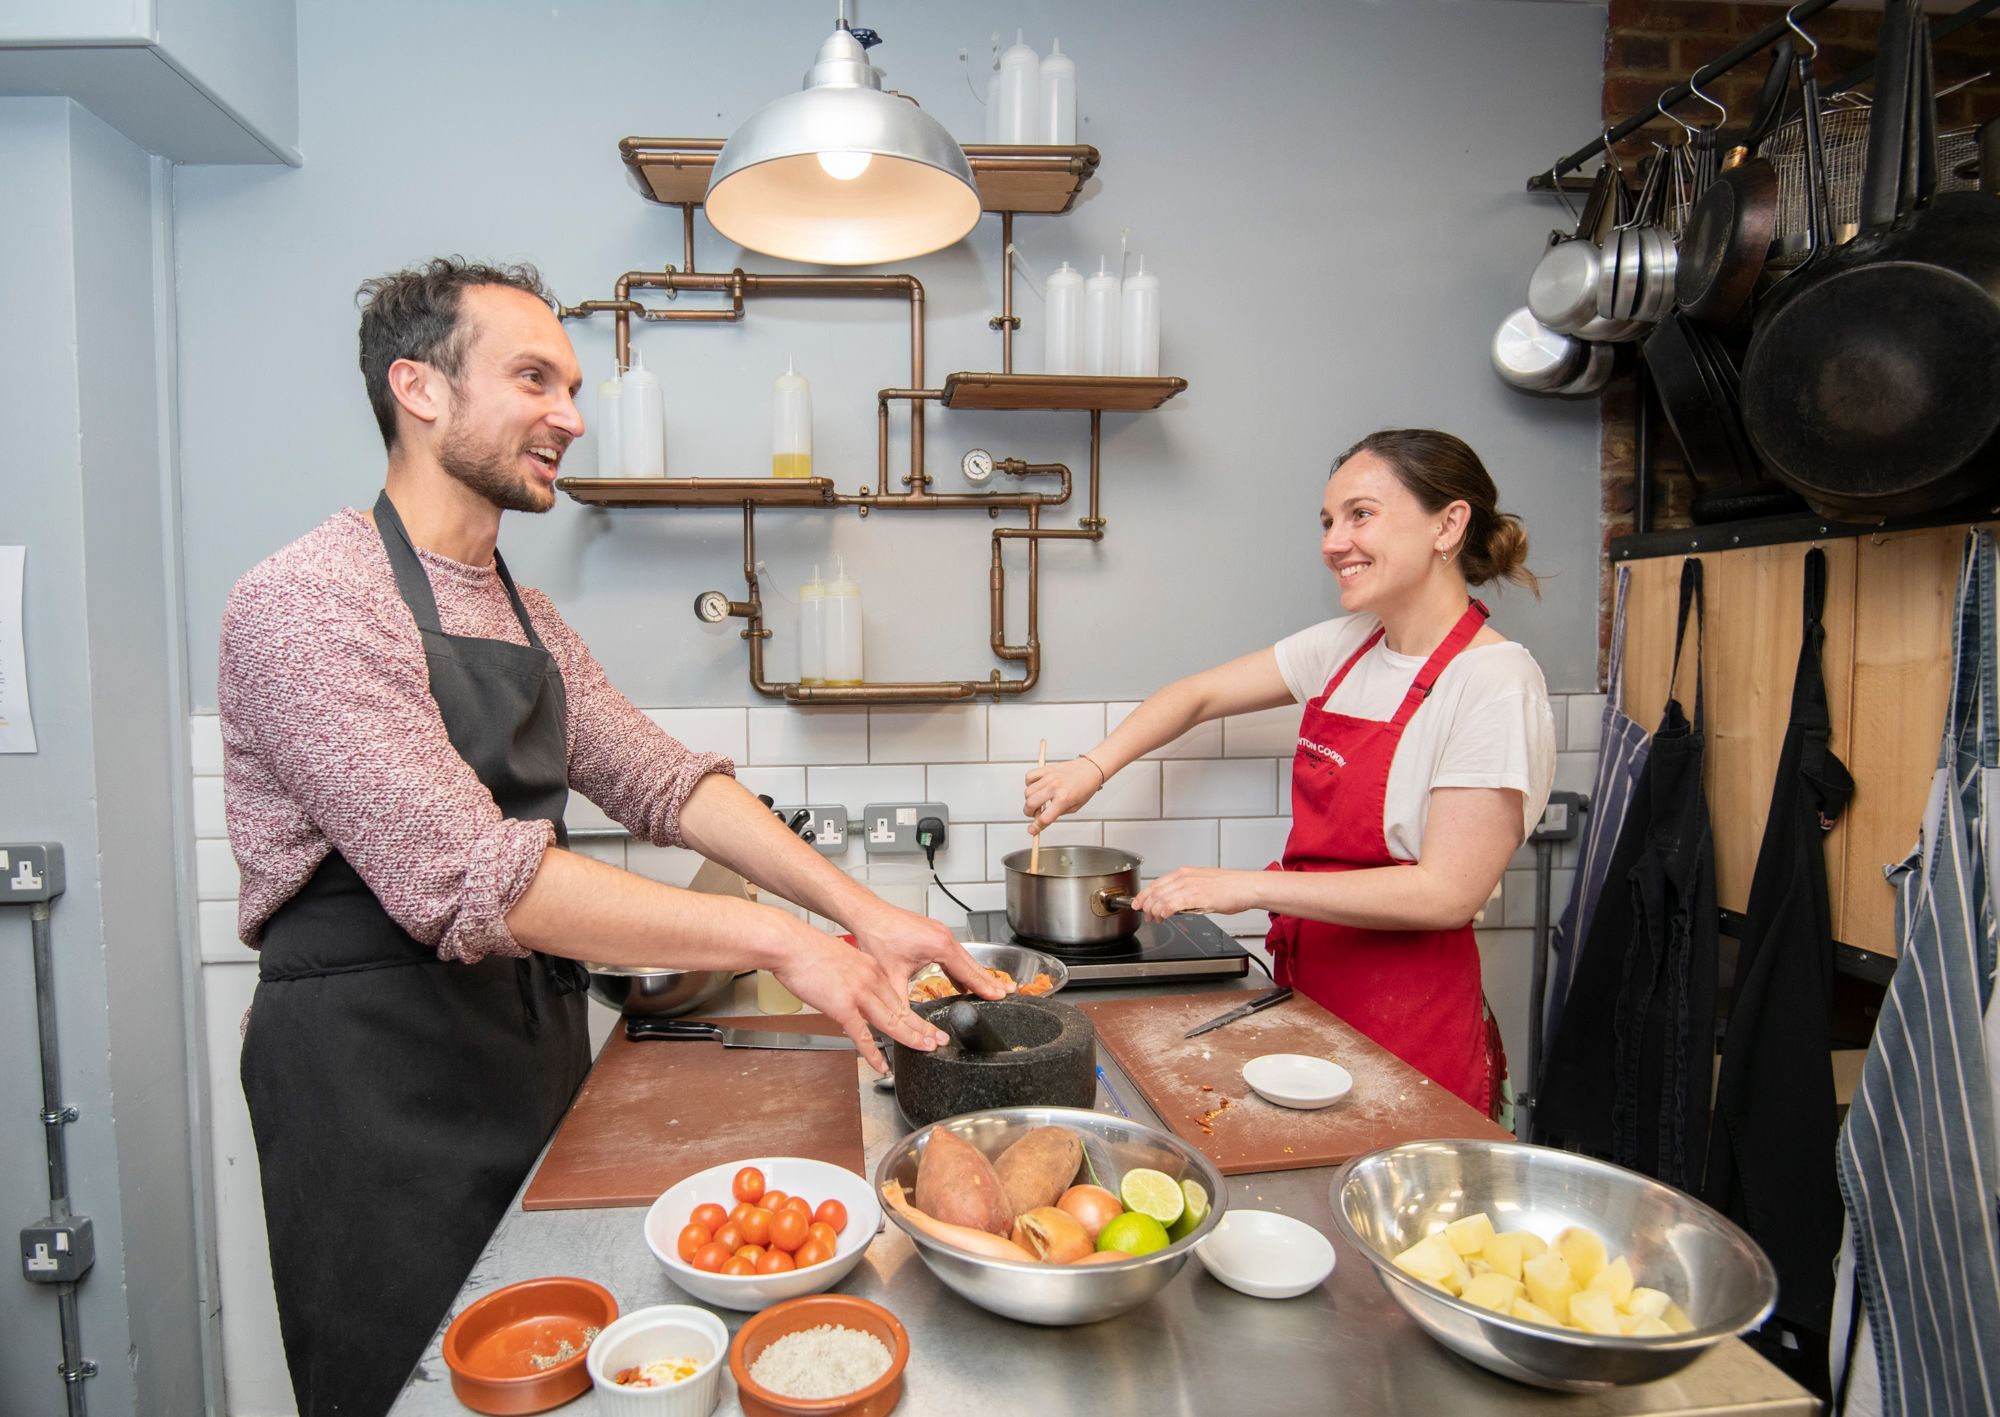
1035	179
698	491
1060	391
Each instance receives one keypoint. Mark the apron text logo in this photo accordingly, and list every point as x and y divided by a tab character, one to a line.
1323	751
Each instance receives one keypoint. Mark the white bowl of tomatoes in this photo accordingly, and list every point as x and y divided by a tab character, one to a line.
704	1230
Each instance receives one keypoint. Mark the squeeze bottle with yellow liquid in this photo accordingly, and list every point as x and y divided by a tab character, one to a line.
791	425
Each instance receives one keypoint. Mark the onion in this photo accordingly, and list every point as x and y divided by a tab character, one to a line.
1093	1206
1052	1236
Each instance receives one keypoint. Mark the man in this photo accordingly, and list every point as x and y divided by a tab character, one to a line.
401	727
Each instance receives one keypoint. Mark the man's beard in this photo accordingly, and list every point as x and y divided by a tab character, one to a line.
493	473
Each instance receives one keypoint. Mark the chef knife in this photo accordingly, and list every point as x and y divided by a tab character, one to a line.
1261	1002
639	1029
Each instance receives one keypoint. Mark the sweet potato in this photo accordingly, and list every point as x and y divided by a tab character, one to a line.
956	1185
1037	1169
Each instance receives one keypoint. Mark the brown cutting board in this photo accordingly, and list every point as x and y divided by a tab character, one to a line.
1390	1102
652	1114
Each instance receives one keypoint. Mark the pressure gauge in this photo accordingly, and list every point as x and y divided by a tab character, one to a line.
711	607
977	465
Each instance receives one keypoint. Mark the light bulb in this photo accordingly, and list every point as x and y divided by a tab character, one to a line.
844	166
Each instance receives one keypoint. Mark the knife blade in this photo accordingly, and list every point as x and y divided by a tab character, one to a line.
640	1029
1261	1002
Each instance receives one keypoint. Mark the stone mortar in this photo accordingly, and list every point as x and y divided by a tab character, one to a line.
1053	1063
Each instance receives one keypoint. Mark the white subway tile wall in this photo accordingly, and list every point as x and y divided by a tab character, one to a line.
711	730
810	737
1229	787
1204	740
1016	731
949	733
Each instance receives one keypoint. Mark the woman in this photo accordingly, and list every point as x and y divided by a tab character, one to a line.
1425	756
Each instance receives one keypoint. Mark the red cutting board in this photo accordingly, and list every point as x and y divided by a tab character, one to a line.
1390	1102
652	1114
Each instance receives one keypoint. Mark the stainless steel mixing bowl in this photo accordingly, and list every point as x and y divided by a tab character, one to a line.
1387	1200
656	993
1059	1295
1022	963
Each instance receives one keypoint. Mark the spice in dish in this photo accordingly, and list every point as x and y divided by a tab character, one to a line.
827	1361
661	1372
564	1350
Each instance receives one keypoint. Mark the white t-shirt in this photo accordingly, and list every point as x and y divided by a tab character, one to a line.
1487	722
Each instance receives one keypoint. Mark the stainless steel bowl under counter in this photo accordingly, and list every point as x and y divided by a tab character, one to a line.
656	993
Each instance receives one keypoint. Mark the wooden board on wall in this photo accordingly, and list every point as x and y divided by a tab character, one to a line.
1887	662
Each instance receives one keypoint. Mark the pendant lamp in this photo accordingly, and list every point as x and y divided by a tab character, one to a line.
841	173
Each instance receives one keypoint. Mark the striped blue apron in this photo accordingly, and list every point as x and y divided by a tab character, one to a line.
1918	1158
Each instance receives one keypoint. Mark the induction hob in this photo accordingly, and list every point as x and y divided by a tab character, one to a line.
1183	947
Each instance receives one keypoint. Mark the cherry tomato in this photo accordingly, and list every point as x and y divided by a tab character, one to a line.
739	1266
752	1253
812	1252
748	1185
712	1257
774	1262
801	1205
709	1217
789	1230
692	1238
755	1224
773	1201
737	1211
832	1213
732	1236
825	1234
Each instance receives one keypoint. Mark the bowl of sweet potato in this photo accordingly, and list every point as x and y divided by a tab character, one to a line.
974	1192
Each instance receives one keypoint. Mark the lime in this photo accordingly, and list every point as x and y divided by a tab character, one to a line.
1153	1193
1133	1233
1196	1212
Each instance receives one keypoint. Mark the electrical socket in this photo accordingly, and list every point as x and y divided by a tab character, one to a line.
30	872
890	828
57	1251
828	823
1562	818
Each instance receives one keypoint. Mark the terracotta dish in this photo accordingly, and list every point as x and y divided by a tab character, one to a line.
760	1331
499	1347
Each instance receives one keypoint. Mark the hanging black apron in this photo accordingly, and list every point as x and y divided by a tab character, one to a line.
1629	1069
398	1100
1771	1163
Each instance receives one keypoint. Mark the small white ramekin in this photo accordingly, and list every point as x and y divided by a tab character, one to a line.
647	1335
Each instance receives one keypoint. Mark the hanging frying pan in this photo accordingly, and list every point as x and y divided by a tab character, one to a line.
1694	407
1872	382
1729	233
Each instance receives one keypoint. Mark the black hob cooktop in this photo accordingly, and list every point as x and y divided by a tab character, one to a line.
1184	947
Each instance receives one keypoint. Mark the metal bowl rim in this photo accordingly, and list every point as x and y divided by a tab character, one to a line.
1694	1338
1017	862
636	971
1013	1114
1059	973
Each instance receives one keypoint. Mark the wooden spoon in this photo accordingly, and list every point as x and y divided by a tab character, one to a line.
1035	842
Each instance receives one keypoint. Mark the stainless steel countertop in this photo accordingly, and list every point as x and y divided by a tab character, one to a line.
1198	1348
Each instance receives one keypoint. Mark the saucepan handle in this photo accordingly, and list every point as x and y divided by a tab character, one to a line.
1108	902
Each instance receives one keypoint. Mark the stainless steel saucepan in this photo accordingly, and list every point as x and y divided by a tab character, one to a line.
1081	895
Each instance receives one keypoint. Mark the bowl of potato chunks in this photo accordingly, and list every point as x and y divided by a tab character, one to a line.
1547	1267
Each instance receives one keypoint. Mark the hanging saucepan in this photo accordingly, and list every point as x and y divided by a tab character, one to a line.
1078	895
1729	233
1531	356
1562	291
1872	382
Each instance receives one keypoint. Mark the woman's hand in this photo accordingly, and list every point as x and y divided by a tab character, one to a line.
903	942
1201	888
1057	790
851	988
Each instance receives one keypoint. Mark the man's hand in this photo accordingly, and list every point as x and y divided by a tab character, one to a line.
904	942
855	991
1200	888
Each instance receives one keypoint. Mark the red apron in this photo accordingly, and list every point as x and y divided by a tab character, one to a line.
1415	992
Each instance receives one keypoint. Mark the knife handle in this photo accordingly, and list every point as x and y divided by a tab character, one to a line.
639	1028
1276	996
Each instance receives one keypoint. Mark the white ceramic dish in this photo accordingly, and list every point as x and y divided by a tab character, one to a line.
647	1336
796	1176
1297	1080
1266	1255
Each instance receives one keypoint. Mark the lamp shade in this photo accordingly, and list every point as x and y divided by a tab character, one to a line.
841	173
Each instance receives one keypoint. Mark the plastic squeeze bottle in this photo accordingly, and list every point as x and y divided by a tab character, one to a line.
1062	318
610	447
1139	329
1057	119
993	95
843	628
642	416
791	425
1020	85
812	630
1100	321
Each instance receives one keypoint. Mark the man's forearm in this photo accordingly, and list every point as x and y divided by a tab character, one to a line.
584	909
722	821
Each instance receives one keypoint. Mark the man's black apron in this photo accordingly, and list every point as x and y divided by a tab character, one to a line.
1628	1072
1771	1164
398	1101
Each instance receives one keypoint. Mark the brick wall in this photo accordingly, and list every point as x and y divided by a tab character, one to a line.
1651	45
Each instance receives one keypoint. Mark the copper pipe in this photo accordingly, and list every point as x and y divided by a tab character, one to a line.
1006	321
1094	522
687	236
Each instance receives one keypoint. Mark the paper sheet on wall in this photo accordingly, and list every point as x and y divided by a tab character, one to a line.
17	727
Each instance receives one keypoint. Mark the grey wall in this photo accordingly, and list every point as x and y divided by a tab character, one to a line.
1330	191
85	491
